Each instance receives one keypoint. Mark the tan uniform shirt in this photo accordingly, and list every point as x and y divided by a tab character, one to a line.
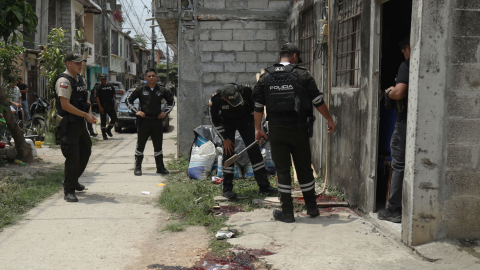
63	87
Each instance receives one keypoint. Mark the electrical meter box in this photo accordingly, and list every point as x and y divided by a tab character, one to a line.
322	28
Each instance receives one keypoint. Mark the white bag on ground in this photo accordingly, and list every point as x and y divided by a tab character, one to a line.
201	161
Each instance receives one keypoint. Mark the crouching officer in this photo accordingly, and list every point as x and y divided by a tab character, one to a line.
231	109
71	95
288	92
149	118
105	93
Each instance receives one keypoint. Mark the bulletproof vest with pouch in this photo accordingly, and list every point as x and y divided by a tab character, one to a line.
79	95
286	97
105	94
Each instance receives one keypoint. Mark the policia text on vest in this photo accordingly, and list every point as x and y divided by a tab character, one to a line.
73	107
149	118
288	91
231	109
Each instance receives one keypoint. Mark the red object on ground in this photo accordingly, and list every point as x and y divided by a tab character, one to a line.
217	180
2	145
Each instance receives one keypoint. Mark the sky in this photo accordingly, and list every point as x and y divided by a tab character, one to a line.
135	13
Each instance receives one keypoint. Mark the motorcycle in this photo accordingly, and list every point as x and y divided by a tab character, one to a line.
37	111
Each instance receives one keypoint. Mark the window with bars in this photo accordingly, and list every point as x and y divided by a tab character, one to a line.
307	38
347	64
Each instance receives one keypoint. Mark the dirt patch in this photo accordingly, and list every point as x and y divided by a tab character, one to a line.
227	211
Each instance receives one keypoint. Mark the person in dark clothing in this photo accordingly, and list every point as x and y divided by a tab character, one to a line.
399	92
231	109
288	92
149	118
74	108
105	94
92	96
24	90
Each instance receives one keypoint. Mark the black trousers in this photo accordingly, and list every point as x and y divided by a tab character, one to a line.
149	128
110	110
76	148
247	131
398	144
291	143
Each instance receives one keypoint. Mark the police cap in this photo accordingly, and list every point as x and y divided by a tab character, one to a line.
103	76
290	47
230	93
74	56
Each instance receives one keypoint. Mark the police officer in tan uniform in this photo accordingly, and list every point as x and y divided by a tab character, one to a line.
73	106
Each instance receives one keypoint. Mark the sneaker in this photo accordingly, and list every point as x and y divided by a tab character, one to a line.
283	217
390	215
70	197
229	195
163	171
268	190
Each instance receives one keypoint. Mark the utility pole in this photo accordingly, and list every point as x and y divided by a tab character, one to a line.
154	40
168	62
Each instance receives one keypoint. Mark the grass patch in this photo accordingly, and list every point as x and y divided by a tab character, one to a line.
173	138
19	194
179	195
94	141
330	190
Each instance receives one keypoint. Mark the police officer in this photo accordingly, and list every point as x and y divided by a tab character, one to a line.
231	109
288	92
105	93
149	118
74	107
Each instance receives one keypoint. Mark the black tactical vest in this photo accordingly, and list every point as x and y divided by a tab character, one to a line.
79	95
286	97
105	94
150	100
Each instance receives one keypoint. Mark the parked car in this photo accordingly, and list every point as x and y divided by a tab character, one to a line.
119	89
127	119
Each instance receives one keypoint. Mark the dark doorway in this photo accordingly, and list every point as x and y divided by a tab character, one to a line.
396	24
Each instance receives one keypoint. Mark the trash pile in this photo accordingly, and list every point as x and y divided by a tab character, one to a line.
207	151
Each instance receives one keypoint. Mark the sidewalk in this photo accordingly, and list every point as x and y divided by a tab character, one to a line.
110	225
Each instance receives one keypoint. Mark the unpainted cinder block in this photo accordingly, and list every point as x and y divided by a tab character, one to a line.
267	57
204	35
464	103
462	208
233	45
210	25
465	49
255	67
247	78
257	4
464	182
243	35
223	57
235	67
256	46
236	4
266	35
463	130
246	57
211	46
232	25
459	156
273	46
226	77
255	25
466	77
221	34
206	57
467	4
212	67
208	77
214	4
466	22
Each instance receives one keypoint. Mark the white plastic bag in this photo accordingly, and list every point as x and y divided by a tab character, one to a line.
201	161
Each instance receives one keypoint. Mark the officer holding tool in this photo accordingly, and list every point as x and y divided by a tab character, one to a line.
105	93
288	92
73	108
231	109
149	118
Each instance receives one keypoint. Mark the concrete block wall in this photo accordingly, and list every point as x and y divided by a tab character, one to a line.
64	19
227	41
461	209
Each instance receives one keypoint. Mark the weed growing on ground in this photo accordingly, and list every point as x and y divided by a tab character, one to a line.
94	140
18	194
332	191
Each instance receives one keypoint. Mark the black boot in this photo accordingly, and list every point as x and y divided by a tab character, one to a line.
270	191
138	165
160	166
92	133
286	215
227	187
109	130
311	204
70	196
104	133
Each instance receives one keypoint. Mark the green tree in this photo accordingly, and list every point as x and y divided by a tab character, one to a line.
141	40
13	14
172	74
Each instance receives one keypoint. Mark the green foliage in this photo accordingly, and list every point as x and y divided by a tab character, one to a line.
141	40
13	14
172	74
9	60
52	58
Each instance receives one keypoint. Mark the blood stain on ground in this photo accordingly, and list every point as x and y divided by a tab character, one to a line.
228	210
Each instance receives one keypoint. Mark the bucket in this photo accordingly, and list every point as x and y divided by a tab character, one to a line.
38	144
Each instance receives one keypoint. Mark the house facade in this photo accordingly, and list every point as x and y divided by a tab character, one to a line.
231	40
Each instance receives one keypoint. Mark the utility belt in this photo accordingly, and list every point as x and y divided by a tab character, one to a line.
151	117
293	121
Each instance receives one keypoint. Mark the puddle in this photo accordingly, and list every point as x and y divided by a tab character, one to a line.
227	211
